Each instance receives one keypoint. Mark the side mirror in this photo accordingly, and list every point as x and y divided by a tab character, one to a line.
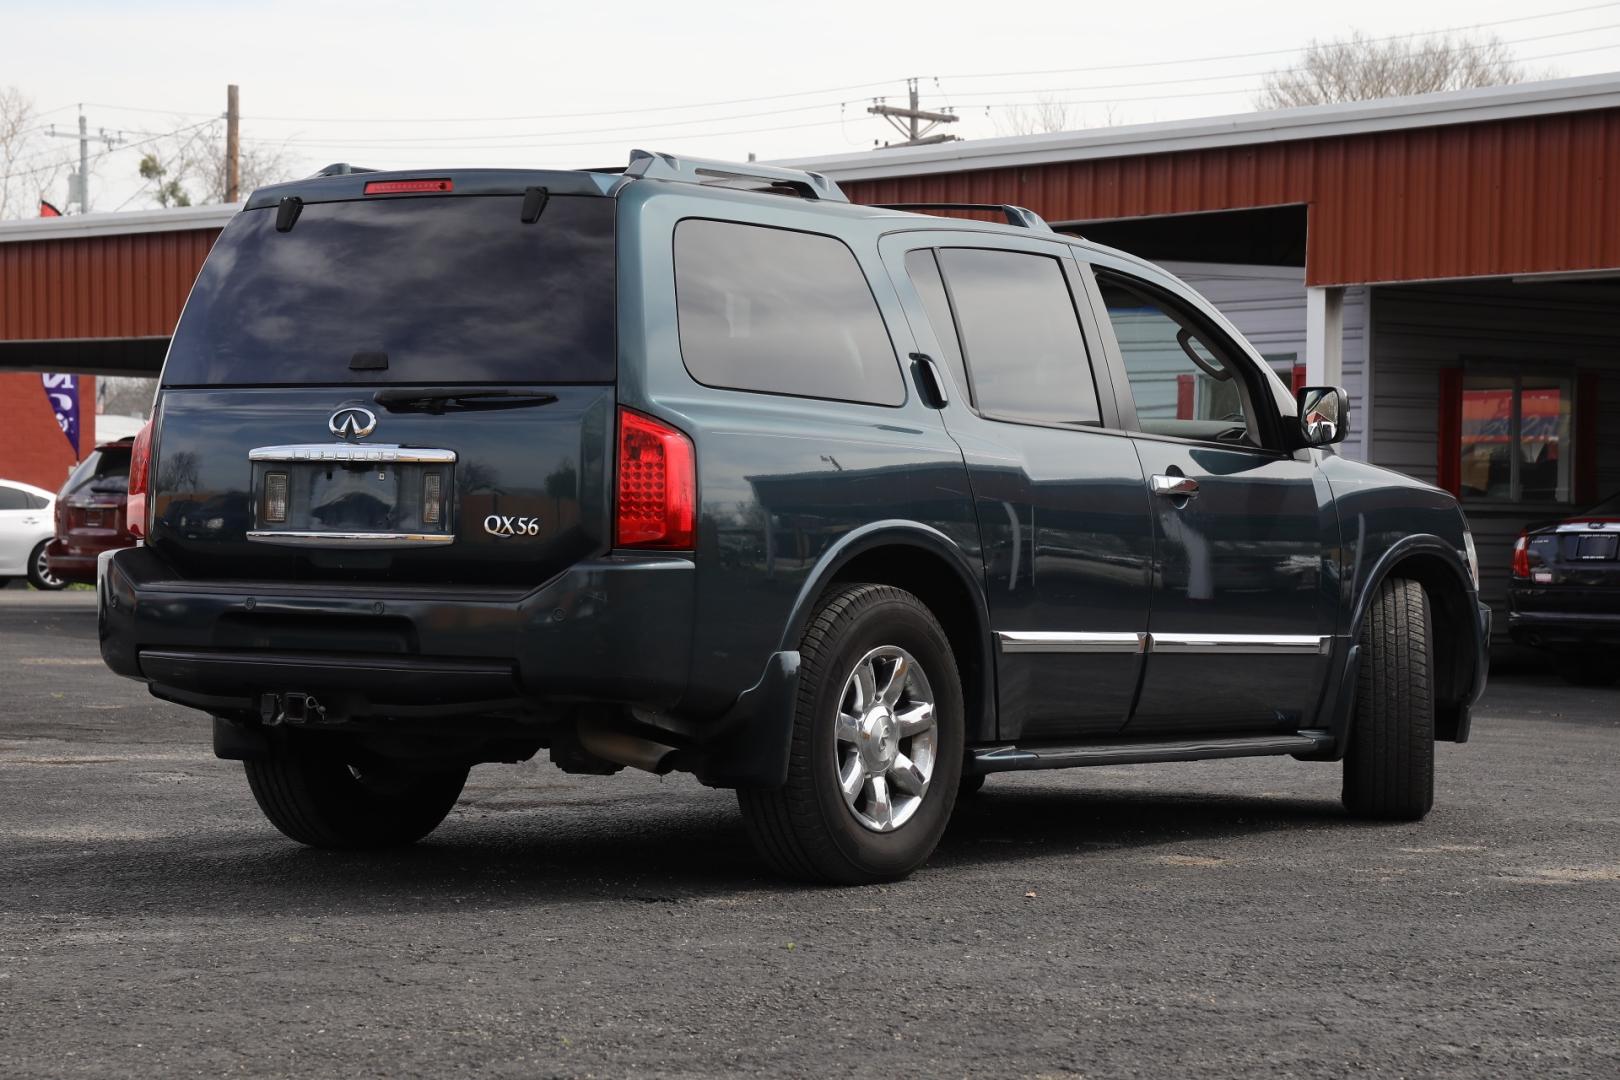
1324	414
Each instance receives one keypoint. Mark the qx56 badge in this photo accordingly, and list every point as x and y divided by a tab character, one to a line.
501	525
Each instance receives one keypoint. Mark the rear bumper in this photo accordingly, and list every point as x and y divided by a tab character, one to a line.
616	629
1564	631
70	564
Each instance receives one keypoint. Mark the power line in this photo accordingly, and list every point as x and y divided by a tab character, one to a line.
864	86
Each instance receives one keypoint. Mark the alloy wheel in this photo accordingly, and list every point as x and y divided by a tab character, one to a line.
885	738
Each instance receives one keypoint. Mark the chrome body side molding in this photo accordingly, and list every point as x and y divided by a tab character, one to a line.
1043	641
1046	641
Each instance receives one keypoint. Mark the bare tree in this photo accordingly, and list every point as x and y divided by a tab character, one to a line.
1359	68
30	163
189	167
1047	114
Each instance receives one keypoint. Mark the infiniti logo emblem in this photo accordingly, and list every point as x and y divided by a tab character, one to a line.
352	423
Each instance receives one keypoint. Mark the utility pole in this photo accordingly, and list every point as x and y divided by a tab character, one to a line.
233	145
914	117
79	186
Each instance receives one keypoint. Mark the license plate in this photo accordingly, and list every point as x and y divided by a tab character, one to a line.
350	499
1597	547
92	517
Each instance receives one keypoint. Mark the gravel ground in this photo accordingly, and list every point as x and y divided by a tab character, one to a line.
1215	919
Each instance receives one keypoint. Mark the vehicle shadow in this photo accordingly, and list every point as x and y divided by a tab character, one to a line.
650	852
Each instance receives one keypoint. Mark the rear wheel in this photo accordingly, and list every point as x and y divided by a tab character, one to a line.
39	574
322	799
1589	670
877	744
1389	765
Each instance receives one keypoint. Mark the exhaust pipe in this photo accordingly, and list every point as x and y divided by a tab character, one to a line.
631	750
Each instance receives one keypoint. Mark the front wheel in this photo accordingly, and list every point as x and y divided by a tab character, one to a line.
877	744
39	574
322	799
1389	765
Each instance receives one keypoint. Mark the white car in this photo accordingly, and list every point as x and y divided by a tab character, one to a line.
27	523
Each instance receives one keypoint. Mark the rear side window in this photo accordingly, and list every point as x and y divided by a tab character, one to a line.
446	289
14	499
1025	353
780	312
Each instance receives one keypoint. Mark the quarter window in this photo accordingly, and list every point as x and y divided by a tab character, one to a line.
1180	383
924	273
780	312
1025	354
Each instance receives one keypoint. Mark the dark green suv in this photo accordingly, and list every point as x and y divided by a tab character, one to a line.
697	466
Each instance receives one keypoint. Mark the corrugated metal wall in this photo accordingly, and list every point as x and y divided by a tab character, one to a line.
1534	195
98	286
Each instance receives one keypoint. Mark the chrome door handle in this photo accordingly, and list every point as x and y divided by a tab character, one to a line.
1174	487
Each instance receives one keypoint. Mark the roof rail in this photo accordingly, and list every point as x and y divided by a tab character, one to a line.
1015	215
648	165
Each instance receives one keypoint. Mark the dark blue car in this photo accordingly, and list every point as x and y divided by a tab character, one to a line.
697	466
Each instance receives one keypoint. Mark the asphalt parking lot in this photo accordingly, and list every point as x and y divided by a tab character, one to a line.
1217	919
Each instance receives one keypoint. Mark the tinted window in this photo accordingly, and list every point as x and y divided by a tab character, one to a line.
105	472
924	273
1021	339
1181	384
13	499
451	289
780	312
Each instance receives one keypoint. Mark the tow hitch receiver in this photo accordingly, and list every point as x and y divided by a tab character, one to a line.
290	708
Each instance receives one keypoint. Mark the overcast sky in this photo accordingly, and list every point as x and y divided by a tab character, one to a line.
579	84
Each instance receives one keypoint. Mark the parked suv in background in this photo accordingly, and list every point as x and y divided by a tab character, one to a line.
1565	596
90	513
698	466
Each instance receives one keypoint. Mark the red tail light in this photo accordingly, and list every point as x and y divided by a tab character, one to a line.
656	504
140	465
1521	556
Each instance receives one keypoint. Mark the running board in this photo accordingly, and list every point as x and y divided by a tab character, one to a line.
989	759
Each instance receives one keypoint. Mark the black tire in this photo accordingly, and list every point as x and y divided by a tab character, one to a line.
970	785
38	576
1594	671
317	798
1389	765
805	829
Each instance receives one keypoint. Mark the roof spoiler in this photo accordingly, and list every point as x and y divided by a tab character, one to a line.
648	165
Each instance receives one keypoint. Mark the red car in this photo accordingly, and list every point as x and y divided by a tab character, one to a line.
90	514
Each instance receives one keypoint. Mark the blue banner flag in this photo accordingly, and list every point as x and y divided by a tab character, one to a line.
63	390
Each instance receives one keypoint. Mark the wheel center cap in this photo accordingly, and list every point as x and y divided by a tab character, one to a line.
880	739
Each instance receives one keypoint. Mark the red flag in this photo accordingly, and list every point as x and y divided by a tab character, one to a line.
47	210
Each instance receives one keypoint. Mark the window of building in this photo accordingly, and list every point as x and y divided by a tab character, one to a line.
1021	340
780	312
1515	439
1180	383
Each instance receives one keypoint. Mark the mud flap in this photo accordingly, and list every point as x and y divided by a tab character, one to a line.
758	732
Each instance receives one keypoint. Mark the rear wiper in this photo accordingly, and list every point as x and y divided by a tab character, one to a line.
436	399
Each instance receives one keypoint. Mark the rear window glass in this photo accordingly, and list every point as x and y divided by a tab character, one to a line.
104	472
780	312
452	289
